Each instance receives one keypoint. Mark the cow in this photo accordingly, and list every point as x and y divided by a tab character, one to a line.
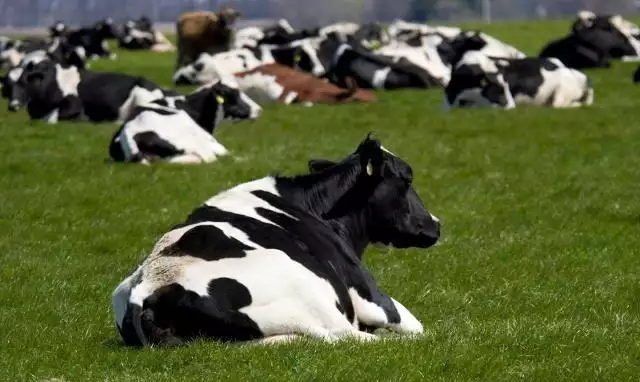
400	29
594	41
425	57
251	37
342	29
279	257
56	92
299	55
15	50
479	81
203	32
179	129
282	84
93	40
453	50
370	71
13	82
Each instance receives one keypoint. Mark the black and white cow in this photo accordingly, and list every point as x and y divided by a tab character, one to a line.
140	35
281	257
179	129
277	34
299	55
13	83
370	71
594	41
93	40
479	81
56	92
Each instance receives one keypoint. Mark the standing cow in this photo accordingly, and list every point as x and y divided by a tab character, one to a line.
203	32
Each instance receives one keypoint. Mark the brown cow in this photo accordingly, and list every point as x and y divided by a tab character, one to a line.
203	31
282	84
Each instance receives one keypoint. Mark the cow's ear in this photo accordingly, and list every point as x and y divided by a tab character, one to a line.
318	165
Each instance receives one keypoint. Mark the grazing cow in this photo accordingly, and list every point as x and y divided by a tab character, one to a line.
203	32
370	71
55	92
279	83
479	81
179	129
280	257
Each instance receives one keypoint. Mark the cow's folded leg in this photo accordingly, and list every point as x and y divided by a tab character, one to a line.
278	339
385	313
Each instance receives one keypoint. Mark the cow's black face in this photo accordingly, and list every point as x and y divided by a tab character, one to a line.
395	213
235	104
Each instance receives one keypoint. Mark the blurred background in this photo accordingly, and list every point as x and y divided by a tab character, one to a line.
41	13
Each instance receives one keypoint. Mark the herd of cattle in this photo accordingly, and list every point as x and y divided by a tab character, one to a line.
280	257
239	70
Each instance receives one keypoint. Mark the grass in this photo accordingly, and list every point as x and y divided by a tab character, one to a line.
536	278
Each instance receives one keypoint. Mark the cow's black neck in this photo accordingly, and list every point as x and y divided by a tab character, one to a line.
338	195
203	108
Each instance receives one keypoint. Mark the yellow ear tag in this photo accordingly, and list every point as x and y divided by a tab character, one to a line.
220	100
369	169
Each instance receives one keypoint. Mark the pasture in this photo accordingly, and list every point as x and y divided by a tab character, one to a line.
536	276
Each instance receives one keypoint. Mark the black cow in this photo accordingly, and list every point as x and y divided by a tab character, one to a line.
280	257
593	43
369	70
57	92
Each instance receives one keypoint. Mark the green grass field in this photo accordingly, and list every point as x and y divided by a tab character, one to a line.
537	276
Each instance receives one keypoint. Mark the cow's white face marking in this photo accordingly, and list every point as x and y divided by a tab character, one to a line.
67	80
387	151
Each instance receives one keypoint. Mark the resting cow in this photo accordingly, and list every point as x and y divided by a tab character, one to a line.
203	32
299	55
594	41
279	83
479	81
55	92
179	129
280	257
370	71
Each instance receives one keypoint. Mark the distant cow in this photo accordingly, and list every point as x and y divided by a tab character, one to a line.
479	81
369	70
55	92
179	129
251	37
281	257
299	55
279	83
594	41
14	83
203	32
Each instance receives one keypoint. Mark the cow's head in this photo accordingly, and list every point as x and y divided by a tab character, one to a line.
303	56
52	91
211	104
227	16
64	53
477	81
202	71
58	29
395	215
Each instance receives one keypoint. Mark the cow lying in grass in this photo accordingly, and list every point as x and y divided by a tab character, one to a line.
282	84
479	81
56	92
179	129
281	257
